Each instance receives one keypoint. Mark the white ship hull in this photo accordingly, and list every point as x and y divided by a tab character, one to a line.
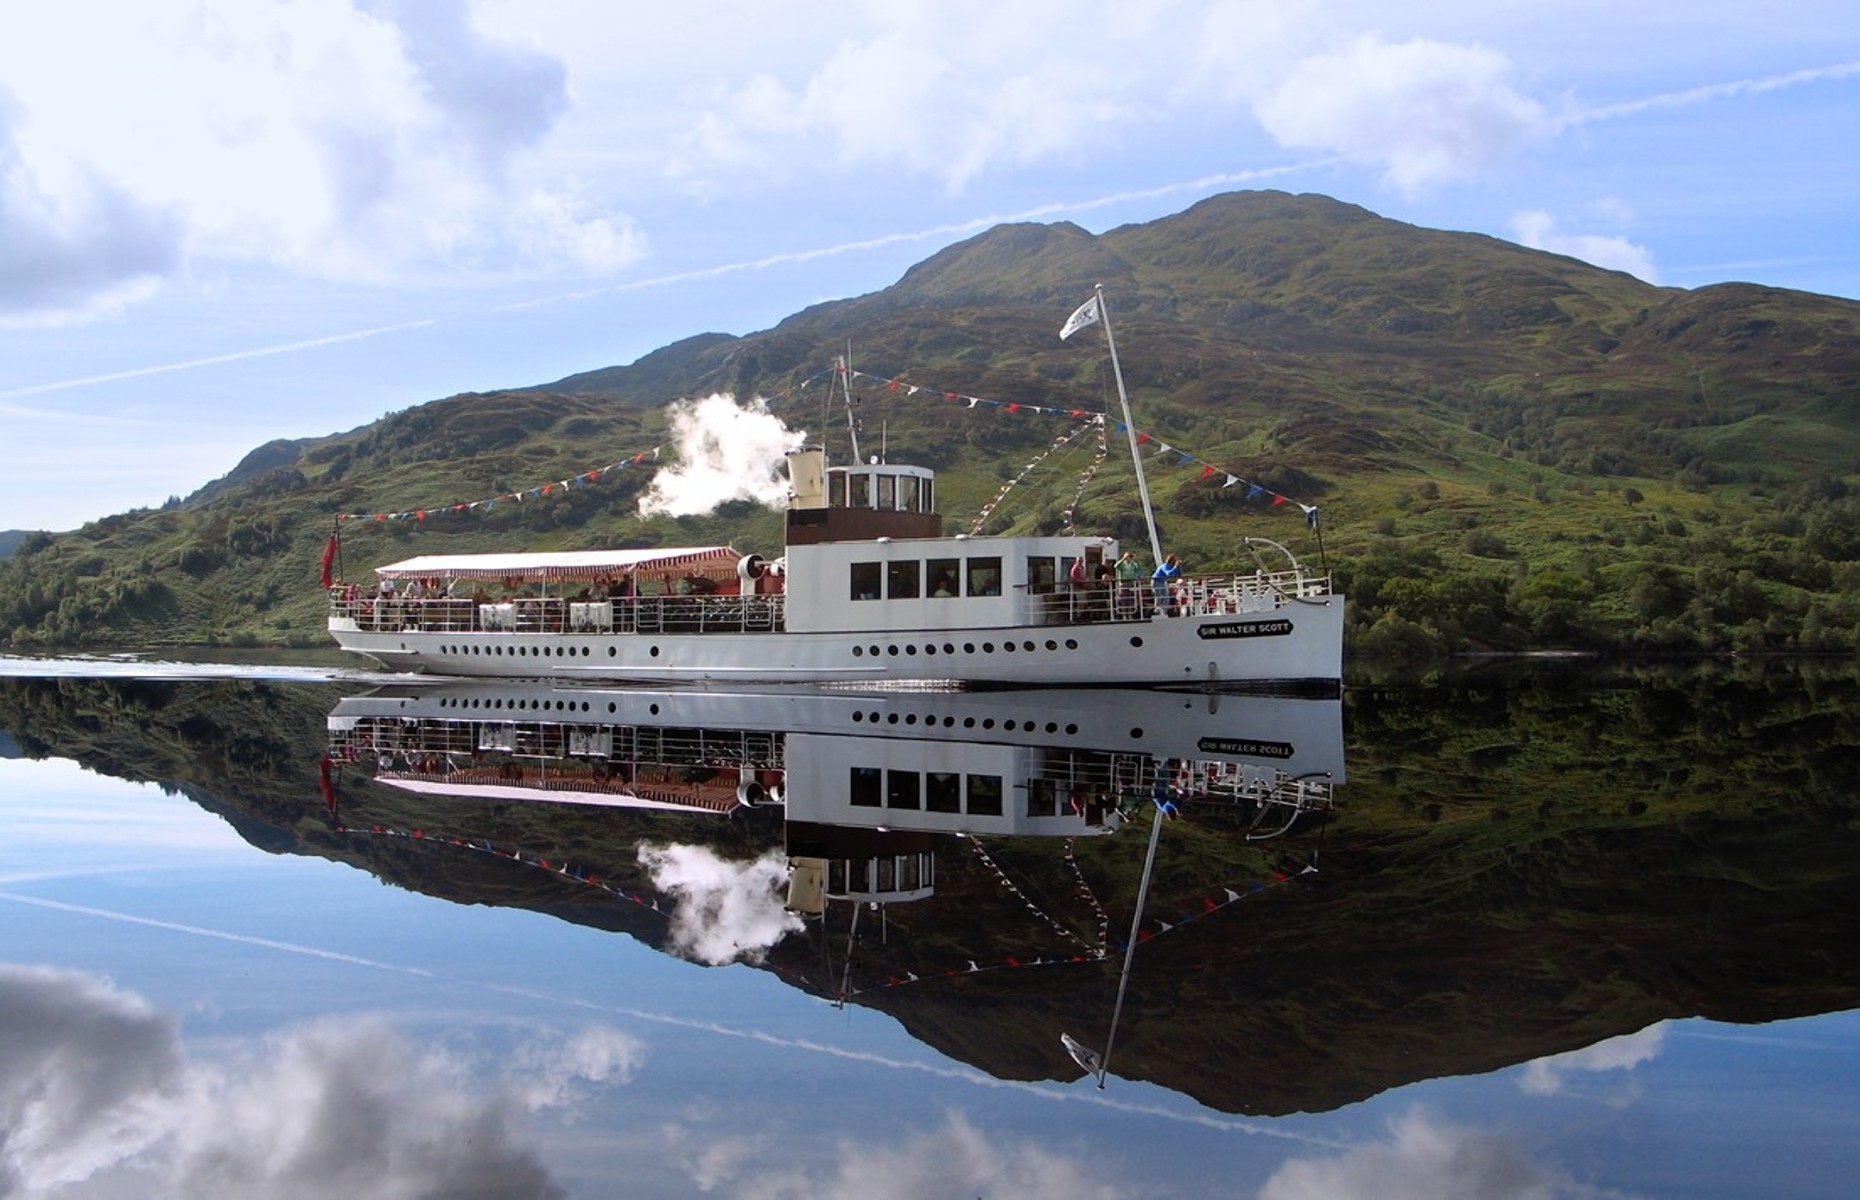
1297	644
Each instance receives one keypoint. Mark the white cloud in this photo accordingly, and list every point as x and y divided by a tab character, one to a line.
726	911
1421	1159
1549	1076
1423	112
86	249
315	136
725	451
1538	230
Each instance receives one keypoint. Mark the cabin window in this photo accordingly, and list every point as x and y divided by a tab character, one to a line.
943	574
887	493
1042	798
866	577
984	795
859	490
903	789
1041	575
836	489
903	580
907	493
943	793
984	577
864	789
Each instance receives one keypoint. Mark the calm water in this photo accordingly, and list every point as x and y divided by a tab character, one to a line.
305	932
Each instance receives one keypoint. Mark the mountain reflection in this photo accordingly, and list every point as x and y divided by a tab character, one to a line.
1515	870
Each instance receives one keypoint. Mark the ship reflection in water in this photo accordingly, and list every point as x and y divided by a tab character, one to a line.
927	839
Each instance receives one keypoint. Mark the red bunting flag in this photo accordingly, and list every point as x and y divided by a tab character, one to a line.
329	558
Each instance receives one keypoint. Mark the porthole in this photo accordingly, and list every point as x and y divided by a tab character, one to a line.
968	722
613	652
1028	647
1007	647
653	709
1136	733
930	649
858	717
1051	644
891	718
1052	727
910	718
1072	643
949	647
988	722
988	647
968	647
612	707
911	649
654	652
858	651
1071	727
1137	642
892	650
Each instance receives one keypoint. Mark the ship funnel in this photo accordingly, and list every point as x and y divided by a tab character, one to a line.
807	474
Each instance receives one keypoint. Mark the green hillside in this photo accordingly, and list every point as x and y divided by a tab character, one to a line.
1510	449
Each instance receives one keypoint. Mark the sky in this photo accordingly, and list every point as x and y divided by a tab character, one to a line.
228	221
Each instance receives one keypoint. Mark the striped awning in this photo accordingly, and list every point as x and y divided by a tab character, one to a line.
717	561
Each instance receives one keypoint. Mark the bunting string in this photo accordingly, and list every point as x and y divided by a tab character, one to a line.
1168	454
1152	928
582	480
1058	927
988	509
565	870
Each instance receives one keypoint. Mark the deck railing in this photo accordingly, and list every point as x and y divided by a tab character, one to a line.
546	615
1183	596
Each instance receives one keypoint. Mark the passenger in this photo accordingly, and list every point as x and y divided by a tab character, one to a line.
1129	583
1165	578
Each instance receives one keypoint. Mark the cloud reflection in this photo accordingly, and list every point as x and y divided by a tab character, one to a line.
957	1160
1422	1157
96	1087
1549	1076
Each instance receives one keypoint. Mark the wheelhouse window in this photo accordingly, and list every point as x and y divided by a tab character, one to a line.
943	792
866	577
903	789
836	489
859	490
903	580
984	577
908	494
985	795
887	493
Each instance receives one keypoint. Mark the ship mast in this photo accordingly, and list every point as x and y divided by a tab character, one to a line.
1130	427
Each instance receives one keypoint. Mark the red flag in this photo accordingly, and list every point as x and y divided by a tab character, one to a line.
329	558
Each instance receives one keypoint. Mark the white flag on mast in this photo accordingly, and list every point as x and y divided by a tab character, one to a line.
1085	314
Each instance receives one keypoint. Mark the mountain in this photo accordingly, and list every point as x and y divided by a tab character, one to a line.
1509	448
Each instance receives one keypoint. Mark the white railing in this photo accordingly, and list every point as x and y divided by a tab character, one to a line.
537	615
